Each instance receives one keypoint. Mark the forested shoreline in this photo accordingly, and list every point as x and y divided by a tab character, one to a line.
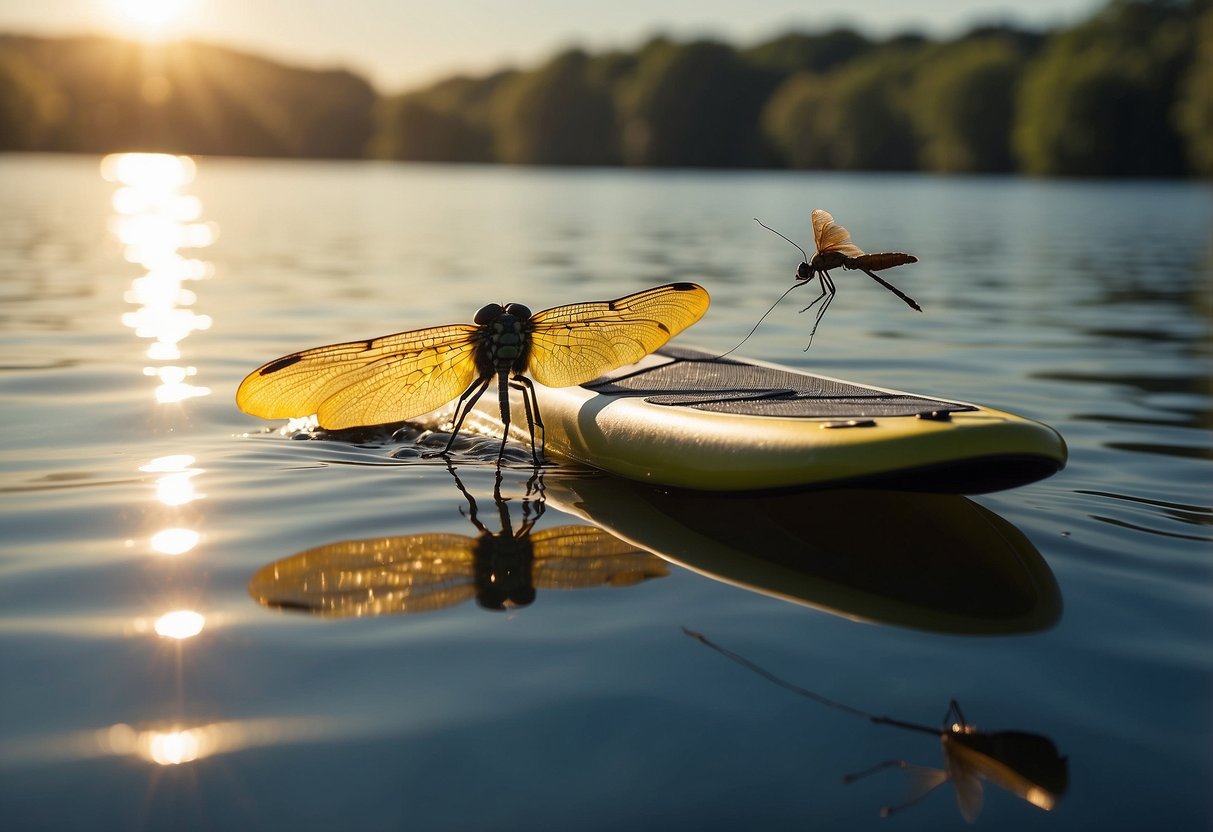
1128	92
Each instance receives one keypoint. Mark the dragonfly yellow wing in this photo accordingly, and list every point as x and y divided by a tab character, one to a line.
369	382
377	576
577	343
576	557
830	236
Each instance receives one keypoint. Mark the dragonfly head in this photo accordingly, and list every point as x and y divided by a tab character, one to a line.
488	314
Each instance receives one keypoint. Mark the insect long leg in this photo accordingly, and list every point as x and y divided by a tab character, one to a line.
473	511
533	419
867	772
763	318
503	509
817	299
923	781
827	291
466	404
535	489
913	304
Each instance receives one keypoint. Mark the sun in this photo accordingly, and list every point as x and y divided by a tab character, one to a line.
151	19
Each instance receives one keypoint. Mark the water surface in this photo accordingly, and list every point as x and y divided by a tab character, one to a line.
135	301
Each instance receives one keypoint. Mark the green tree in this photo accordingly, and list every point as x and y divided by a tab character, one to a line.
446	122
30	103
694	104
855	118
192	98
410	128
963	107
1099	100
809	52
556	115
791	122
866	114
1194	110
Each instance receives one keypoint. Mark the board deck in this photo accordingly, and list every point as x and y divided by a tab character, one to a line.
688	419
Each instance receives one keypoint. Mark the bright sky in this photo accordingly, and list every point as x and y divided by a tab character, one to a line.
404	43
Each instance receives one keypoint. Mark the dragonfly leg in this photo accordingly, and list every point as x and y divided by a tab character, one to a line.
466	402
473	511
533	419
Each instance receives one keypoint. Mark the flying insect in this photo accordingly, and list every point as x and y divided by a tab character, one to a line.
835	250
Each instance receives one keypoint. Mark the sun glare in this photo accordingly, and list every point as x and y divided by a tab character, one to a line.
151	19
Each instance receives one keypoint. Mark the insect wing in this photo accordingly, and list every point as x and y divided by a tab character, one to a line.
577	343
378	576
576	557
830	236
370	382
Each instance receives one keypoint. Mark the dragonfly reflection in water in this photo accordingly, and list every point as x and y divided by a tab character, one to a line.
1024	764
398	377
423	572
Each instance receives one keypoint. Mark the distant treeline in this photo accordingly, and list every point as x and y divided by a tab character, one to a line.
1128	92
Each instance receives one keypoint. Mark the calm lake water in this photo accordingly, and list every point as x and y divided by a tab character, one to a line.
144	688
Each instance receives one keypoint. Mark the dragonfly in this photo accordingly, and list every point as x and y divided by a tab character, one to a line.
398	377
1025	764
835	250
431	571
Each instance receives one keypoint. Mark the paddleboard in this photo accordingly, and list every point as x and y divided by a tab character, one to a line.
688	419
936	562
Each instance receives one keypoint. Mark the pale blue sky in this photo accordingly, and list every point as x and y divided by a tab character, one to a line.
400	43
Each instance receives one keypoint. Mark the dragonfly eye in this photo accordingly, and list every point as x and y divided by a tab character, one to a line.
518	311
488	314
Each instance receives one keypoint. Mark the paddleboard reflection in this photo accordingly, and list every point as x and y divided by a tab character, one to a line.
423	572
937	562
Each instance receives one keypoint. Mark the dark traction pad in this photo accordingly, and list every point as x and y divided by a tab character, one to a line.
706	382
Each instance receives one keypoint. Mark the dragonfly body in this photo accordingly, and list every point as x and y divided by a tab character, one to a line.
401	376
503	349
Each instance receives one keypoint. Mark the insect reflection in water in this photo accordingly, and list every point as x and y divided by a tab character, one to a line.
835	250
398	377
1024	764
423	572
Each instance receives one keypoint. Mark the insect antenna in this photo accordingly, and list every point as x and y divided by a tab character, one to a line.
781	297
773	231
